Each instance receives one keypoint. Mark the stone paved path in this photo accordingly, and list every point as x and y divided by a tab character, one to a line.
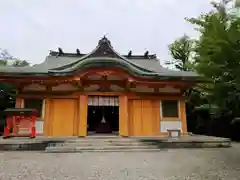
174	164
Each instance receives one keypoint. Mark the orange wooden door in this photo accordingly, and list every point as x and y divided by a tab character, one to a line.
147	117
63	117
135	117
142	117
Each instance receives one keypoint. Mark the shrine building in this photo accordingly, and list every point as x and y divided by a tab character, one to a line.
103	92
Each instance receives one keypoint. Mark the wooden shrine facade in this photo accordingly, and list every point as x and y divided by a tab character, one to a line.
148	104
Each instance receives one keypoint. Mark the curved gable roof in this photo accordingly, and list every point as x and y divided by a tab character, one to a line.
105	56
102	56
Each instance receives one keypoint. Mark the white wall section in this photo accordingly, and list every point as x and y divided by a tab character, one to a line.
39	127
170	125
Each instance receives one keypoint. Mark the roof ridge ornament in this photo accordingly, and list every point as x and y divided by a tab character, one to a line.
104	40
129	53
60	51
78	51
146	54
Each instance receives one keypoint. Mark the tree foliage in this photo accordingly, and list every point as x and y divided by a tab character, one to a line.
217	58
6	57
181	50
20	63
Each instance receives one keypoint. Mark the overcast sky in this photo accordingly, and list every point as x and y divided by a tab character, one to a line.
30	28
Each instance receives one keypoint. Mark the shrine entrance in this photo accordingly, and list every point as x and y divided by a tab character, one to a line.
103	115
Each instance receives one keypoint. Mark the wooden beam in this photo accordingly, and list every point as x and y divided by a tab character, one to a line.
19	81
115	82
47	93
49	88
78	84
104	84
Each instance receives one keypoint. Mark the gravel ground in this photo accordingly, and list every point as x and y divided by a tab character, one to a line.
192	164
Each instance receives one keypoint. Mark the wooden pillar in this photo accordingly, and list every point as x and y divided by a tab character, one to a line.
82	117
183	116
123	116
157	123
19	103
47	121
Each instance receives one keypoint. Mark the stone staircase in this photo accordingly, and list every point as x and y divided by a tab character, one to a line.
102	144
110	143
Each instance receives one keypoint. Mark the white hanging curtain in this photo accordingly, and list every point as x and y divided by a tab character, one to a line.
103	101
106	101
111	101
116	101
90	101
95	101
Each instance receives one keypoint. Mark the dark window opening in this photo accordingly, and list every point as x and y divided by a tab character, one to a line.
170	108
34	104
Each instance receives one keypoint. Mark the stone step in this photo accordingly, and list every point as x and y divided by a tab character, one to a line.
99	148
104	140
164	145
100	143
93	144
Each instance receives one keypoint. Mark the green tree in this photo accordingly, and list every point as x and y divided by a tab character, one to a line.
5	57
181	52
3	63
217	58
20	63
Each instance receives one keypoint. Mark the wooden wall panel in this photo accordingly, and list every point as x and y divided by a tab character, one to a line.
147	117
63	117
143	117
123	116
137	117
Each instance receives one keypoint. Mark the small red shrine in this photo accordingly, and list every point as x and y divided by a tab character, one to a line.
20	122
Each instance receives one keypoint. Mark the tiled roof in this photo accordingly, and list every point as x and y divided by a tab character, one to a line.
103	55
